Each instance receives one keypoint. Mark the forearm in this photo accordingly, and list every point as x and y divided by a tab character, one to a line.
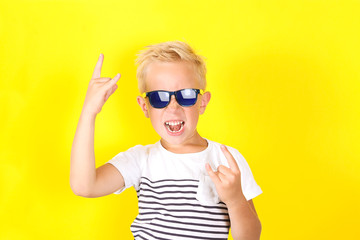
82	166
245	225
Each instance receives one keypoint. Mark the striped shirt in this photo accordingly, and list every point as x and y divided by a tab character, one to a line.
176	198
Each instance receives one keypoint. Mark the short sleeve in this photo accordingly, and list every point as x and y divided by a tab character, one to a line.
249	186
128	163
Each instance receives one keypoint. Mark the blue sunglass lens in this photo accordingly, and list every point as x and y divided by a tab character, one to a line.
186	97
159	99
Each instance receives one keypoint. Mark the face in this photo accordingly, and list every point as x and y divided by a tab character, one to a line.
175	124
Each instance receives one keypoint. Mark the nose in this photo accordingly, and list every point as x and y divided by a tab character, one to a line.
173	103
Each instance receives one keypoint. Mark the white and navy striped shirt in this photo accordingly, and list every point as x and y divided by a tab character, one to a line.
177	199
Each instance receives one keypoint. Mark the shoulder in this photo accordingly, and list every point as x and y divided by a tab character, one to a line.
221	159
142	148
216	147
137	152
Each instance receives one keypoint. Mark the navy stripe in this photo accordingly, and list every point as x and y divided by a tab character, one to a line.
180	235
143	231
164	192
185	223
184	210
171	180
168	198
190	230
163	186
183	204
200	218
139	236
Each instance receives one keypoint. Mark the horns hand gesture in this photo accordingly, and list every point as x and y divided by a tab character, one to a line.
99	90
227	180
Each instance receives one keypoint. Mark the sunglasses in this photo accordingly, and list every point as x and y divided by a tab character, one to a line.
161	98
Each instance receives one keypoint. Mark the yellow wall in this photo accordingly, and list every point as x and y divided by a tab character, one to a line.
285	83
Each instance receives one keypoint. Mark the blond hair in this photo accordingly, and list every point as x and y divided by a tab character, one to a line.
171	51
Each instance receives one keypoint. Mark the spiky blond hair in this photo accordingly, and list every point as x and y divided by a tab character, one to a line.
171	51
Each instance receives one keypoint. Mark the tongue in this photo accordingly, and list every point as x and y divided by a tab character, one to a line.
175	127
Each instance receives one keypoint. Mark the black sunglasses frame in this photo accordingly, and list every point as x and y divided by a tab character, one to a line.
197	91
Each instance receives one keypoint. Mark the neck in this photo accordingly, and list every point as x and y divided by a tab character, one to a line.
195	144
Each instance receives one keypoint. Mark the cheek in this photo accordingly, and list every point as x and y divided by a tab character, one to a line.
155	117
193	115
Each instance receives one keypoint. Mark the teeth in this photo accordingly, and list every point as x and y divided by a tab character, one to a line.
174	123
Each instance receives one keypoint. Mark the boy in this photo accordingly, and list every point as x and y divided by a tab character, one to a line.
180	195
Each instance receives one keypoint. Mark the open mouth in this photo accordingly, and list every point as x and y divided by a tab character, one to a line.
174	126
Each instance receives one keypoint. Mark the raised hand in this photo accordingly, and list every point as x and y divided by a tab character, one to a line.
99	90
227	180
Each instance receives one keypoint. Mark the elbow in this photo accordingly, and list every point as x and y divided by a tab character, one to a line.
80	190
81	193
257	230
251	233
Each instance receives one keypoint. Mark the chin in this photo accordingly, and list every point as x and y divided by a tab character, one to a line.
174	140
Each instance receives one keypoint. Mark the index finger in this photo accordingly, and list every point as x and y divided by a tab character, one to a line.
97	70
231	160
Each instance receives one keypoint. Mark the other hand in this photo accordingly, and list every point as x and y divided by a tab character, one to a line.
227	180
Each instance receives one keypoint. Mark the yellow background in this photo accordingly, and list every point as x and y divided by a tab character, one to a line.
284	77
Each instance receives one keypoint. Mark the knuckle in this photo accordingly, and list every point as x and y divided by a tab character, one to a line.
94	81
211	173
226	183
222	167
231	177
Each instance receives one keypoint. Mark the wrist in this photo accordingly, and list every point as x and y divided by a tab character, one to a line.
236	202
88	114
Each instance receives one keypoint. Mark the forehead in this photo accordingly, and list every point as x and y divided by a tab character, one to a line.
171	76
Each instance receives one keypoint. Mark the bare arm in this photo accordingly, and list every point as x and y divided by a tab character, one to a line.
244	221
85	179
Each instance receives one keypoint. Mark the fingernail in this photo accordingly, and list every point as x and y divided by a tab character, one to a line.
222	146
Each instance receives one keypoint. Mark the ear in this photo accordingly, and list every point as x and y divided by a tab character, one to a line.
142	103
204	101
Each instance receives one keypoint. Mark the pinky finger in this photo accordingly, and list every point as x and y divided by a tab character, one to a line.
113	89
113	81
117	77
